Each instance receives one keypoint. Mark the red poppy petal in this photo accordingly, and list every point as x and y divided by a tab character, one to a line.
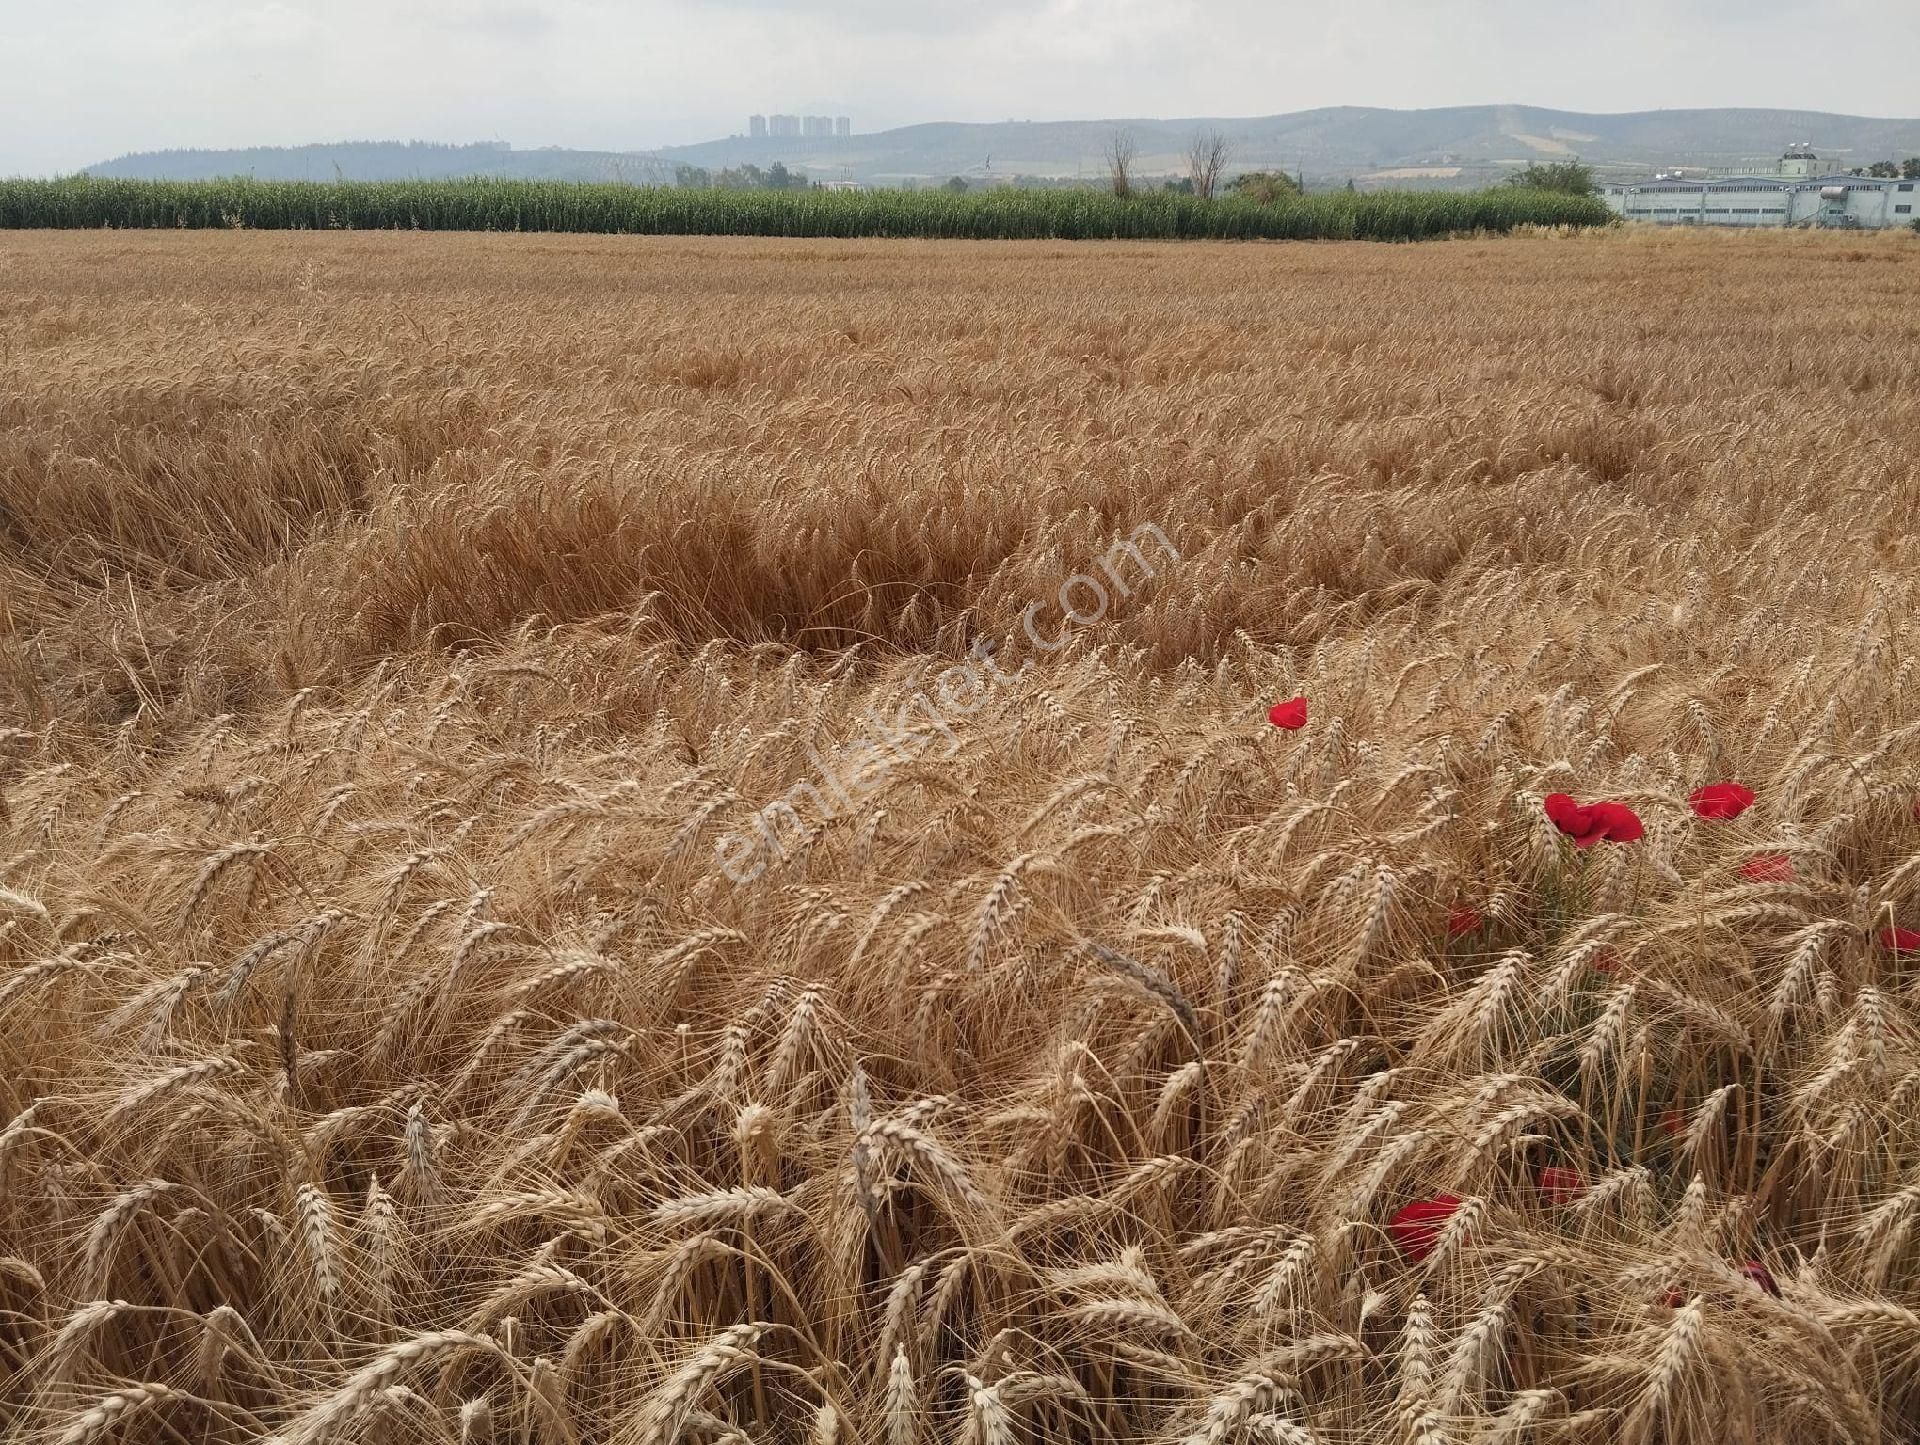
1768	868
1721	800
1605	961
1561	1185
1462	920
1595	822
1598	830
1573	820
1900	940
1290	714
1416	1229
1673	1122
1762	1276
1617	822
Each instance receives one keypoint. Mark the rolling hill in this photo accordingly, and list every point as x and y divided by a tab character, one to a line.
1458	145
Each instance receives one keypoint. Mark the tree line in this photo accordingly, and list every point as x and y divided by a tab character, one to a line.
775	177
1208	159
1906	170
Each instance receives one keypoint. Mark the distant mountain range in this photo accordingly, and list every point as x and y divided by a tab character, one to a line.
386	161
1452	146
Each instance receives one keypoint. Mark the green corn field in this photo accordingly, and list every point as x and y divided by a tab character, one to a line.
83	202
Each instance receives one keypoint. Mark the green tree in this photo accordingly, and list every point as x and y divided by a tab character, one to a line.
1570	177
696	176
957	184
1884	170
1910	169
1266	187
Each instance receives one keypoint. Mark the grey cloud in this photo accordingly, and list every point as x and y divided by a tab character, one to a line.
876	17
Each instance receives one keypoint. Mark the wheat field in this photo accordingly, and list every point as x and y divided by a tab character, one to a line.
604	841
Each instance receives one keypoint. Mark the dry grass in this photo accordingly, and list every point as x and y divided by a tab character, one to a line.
392	626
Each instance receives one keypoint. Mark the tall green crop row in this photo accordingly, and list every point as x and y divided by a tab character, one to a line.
492	205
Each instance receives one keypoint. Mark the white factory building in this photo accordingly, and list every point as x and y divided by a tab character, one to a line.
1795	195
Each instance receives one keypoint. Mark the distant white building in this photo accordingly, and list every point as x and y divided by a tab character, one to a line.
757	127
1799	163
843	126
1795	195
783	125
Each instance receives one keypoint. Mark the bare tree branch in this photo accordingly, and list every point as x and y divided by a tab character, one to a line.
1207	156
1119	154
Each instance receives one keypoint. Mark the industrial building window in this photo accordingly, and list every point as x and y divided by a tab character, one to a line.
1716	210
1903	210
1908	186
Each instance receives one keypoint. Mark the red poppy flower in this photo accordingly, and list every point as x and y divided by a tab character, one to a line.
1593	822
1674	1122
1719	801
1768	868
1560	1185
1290	714
1462	920
1674	1299
1900	940
1416	1229
1762	1276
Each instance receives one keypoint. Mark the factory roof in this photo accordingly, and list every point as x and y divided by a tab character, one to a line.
1757	183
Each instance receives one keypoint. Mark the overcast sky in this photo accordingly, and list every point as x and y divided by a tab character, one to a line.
85	80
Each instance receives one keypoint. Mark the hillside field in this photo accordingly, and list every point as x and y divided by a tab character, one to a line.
656	841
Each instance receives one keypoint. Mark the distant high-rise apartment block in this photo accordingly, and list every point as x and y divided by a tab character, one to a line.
814	127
